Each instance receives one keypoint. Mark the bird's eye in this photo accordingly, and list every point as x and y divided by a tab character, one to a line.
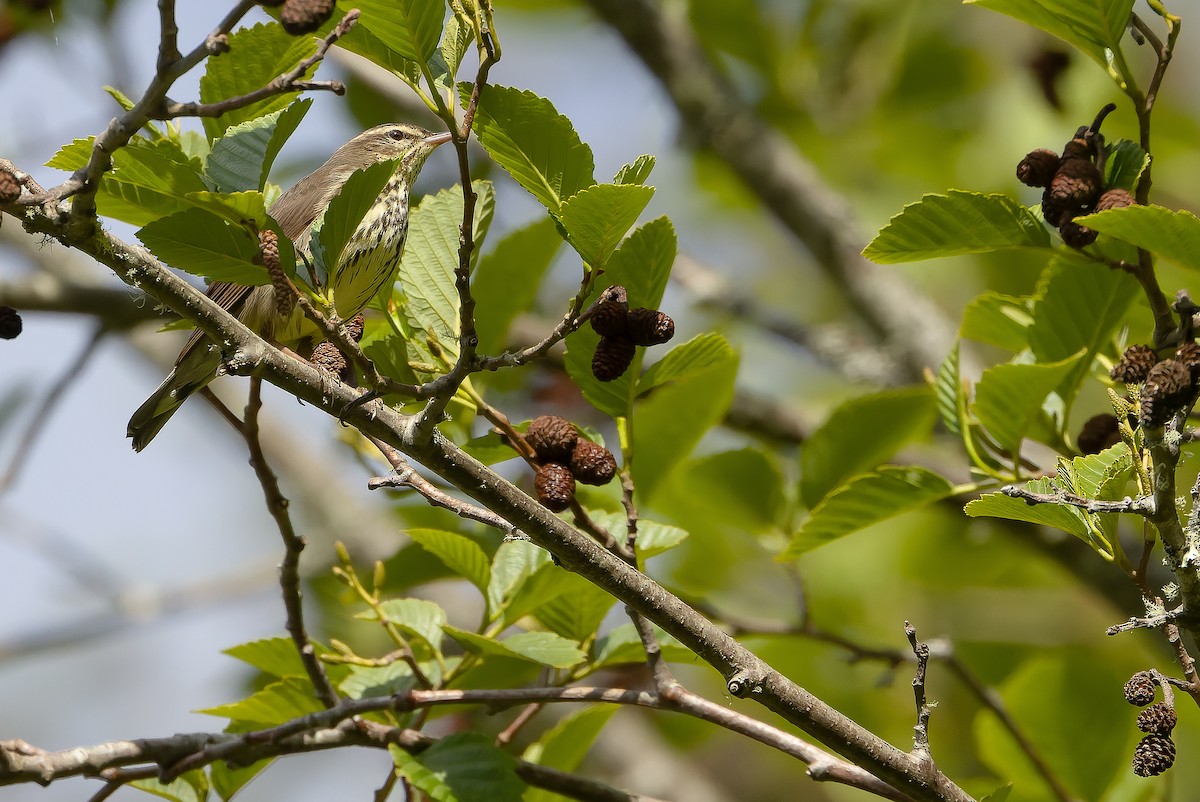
396	134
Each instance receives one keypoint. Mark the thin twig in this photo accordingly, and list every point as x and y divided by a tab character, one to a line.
921	730
289	569
1143	505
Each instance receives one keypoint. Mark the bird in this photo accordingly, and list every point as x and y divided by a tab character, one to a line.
368	261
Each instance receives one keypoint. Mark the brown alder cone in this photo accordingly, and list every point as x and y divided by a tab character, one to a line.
10	187
10	323
650	327
552	438
592	463
1140	689
1167	388
613	357
1116	198
1098	433
1134	365
305	16
1159	718
1075	235
1074	189
268	251
1038	167
555	486
1154	755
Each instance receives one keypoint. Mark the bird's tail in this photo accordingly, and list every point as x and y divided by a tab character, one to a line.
195	371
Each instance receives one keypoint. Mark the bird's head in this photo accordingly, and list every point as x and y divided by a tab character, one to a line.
411	144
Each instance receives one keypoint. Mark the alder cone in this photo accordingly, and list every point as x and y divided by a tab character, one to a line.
1075	235
1140	689
1038	167
592	463
268	252
1159	718
612	358
10	323
1189	355
10	187
650	327
555	486
1116	198
355	327
611	318
1154	755
1098	433
1073	190
327	356
552	437
1167	388
1134	365
305	16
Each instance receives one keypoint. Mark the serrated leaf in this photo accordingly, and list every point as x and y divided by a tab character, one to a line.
1093	26
637	172
464	767
860	434
1009	397
426	273
373	681
685	360
546	583
335	226
191	786
669	421
460	554
507	280
623	645
261	53
535	144
564	746
456	38
411	28
1000	320
1124	164
954	224
202	243
948	389
545	648
248	208
148	180
652	537
275	656
1173	235
1093	473
242	157
1078	308
1001	794
419	617
577	610
865	500
597	218
289	698
513	563
1059	516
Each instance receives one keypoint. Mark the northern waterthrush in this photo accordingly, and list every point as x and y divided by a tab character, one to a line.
367	263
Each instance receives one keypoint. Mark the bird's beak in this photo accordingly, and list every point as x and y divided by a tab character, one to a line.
438	139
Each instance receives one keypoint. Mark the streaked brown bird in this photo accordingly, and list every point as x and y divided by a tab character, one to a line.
367	263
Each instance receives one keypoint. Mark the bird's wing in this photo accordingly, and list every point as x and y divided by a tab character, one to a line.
227	296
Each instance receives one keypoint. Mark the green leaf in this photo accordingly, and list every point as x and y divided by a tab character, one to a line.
248	208
652	538
1124	164
342	217
228	780
956	223
545	648
507	280
461	555
275	656
535	144
564	746
261	53
1078	308
411	28
464	767
1059	516
289	698
456	38
635	173
546	583
514	562
1001	794
148	181
1000	320
189	787
686	360
865	500
1085	735
1009	397
202	243
743	489
1092	26
1092	475
670	420
419	617
431	258
577	610
373	681
241	158
622	645
860	434
1173	235
597	218
951	397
